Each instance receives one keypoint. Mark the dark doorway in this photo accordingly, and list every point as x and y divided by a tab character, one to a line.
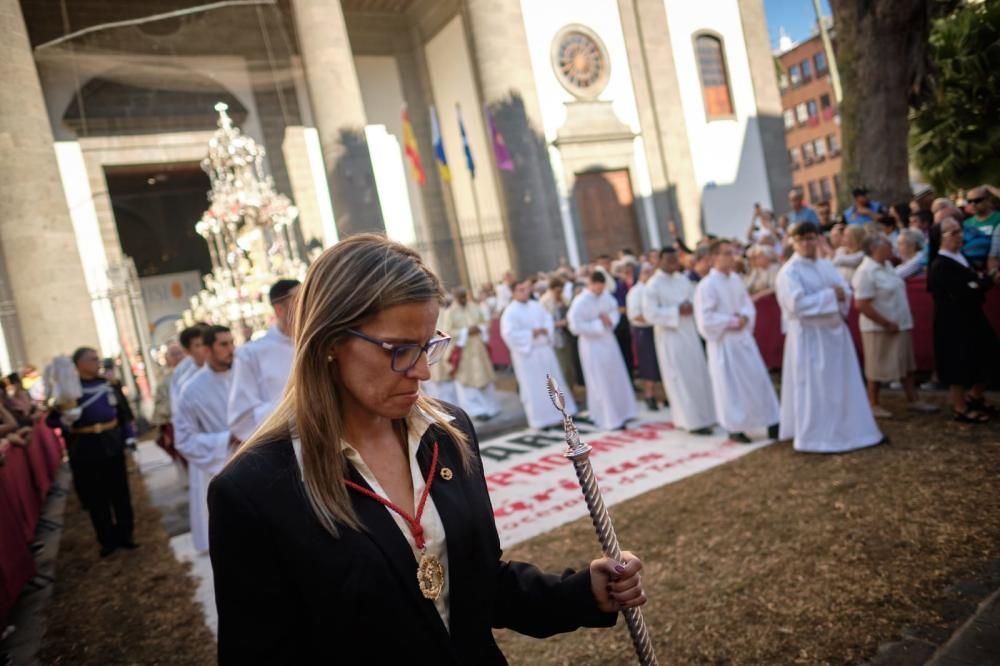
603	201
156	207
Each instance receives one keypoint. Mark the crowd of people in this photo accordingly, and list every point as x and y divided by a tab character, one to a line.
676	316
682	317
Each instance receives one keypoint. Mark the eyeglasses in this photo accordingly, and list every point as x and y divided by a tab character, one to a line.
406	355
976	200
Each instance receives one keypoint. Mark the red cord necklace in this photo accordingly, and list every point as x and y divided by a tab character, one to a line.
430	573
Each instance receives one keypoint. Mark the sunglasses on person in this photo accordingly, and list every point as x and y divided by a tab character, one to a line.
976	200
406	355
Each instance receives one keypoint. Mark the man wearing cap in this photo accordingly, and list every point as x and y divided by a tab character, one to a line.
864	210
824	408
261	368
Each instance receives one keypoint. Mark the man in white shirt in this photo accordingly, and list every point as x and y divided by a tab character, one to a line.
823	404
261	368
743	392
528	329
886	326
202	429
592	317
666	303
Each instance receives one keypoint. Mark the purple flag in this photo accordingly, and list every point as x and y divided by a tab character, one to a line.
504	160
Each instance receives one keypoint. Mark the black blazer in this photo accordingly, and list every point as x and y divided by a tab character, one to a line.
965	344
289	593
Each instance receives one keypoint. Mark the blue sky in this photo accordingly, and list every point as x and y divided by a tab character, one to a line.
797	17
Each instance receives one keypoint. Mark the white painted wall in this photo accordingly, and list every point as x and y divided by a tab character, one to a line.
542	22
728	155
398	191
452	82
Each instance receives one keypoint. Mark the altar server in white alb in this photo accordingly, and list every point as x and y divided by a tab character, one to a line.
470	357
202	429
592	317
823	403
743	392
195	354
667	304
261	368
528	329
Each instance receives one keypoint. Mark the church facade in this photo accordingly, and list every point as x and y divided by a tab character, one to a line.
568	129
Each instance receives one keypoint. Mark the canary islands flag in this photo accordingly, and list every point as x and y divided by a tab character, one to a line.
439	156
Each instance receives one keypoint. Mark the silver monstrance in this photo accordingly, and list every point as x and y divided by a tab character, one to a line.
579	453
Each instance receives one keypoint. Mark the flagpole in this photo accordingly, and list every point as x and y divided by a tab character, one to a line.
479	229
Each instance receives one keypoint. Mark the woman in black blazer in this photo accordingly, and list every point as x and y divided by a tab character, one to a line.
311	563
965	345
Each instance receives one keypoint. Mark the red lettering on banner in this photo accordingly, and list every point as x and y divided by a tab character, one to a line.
498	479
643	433
659	425
544	496
621	468
554	459
511	508
599	445
531	469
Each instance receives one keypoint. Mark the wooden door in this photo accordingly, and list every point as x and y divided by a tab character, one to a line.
604	206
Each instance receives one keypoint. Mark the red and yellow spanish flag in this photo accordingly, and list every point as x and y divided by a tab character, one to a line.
410	148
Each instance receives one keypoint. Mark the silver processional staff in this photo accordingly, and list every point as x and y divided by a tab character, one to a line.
579	453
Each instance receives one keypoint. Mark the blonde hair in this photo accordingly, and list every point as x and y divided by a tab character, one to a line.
856	234
347	284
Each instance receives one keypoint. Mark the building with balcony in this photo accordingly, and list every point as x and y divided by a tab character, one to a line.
812	120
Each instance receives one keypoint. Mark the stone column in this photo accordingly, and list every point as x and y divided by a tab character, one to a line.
654	76
52	312
339	114
499	47
768	100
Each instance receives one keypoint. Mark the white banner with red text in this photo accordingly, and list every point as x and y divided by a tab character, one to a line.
534	487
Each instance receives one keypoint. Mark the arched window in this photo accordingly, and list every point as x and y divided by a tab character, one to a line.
714	77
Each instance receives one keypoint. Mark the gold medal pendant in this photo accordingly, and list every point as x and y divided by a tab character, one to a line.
430	576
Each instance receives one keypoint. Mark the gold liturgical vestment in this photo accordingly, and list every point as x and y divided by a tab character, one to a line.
475	369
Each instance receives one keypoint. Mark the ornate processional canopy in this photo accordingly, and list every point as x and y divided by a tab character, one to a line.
251	233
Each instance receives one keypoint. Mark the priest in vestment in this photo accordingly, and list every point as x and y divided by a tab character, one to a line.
743	393
464	321
528	329
667	304
824	407
592	317
261	368
441	385
202	429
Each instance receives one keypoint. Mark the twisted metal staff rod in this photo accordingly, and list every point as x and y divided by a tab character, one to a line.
579	453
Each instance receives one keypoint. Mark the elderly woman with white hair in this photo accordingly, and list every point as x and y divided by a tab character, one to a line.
910	245
763	271
886	325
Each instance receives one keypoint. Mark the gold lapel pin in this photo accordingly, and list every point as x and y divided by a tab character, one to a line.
446	473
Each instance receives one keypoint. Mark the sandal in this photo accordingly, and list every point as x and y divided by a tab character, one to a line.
969	416
979	405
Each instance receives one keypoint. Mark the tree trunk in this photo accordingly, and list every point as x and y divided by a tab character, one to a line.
881	49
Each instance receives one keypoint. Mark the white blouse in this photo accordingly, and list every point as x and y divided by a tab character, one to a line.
435	539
